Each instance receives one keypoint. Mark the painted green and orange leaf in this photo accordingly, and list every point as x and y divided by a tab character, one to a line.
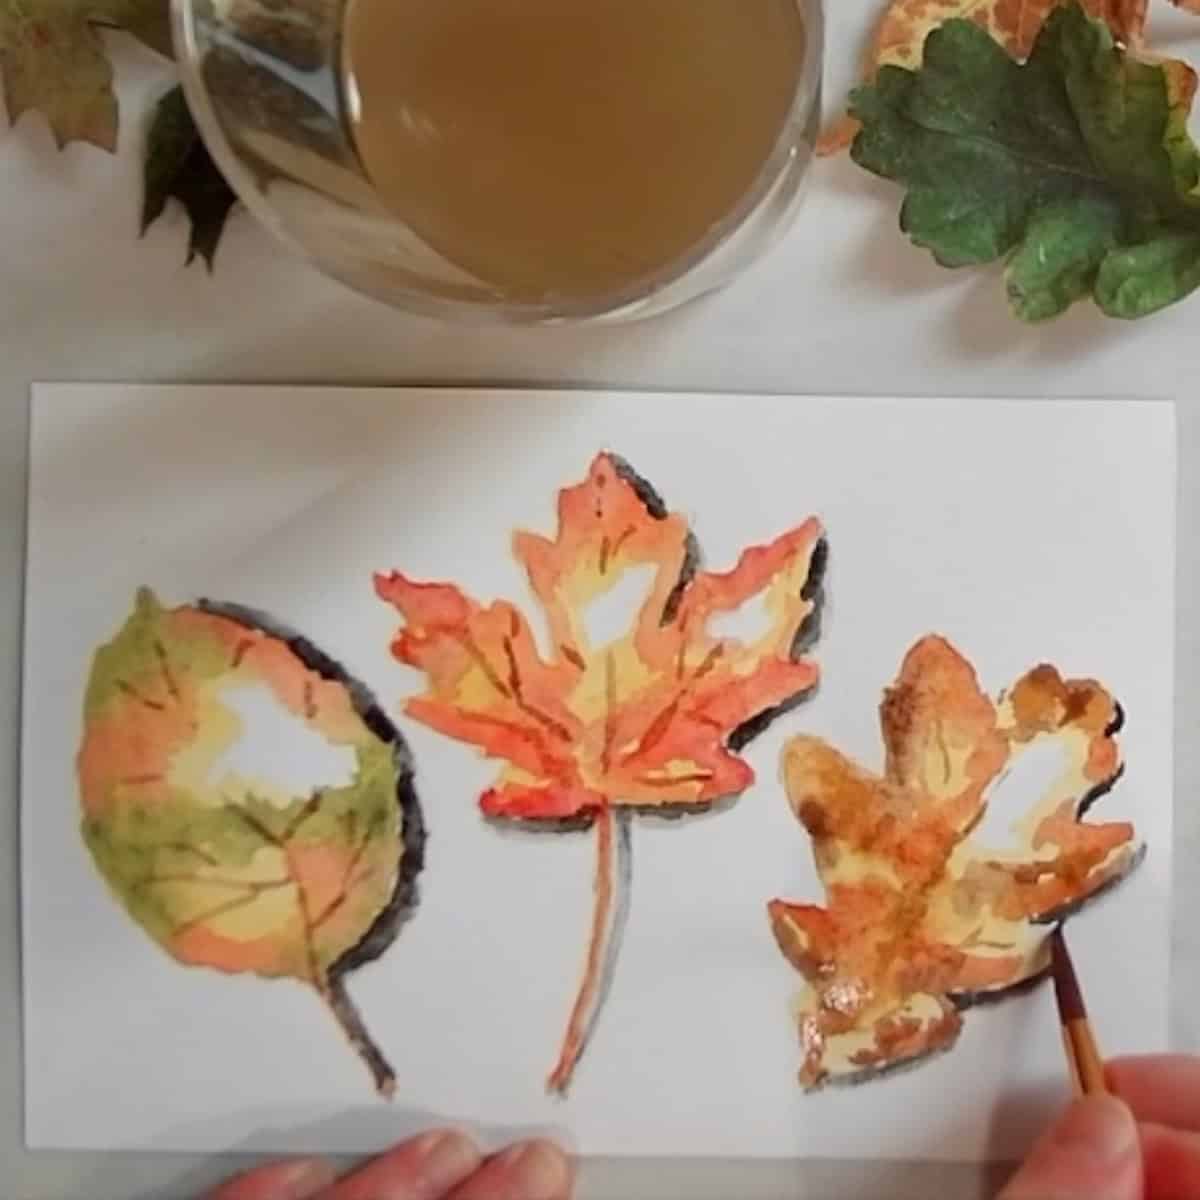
650	720
232	872
921	917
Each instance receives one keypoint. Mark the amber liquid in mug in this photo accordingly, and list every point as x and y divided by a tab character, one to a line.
568	150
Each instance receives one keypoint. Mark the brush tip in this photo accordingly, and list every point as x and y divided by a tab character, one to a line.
1066	984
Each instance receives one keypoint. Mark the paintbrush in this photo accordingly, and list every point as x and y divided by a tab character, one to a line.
1083	1057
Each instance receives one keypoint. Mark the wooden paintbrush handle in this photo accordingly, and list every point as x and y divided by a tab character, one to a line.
1087	1067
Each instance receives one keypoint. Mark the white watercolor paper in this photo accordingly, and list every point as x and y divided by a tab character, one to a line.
1025	532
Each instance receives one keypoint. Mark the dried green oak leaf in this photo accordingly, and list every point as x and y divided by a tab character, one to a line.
178	165
220	861
1075	166
52	59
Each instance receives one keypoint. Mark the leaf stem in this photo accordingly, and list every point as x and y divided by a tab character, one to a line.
345	1013
612	889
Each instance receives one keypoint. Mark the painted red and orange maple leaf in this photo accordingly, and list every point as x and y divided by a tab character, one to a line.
920	919
650	721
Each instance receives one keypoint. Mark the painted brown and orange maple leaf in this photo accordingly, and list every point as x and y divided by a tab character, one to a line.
650	721
919	919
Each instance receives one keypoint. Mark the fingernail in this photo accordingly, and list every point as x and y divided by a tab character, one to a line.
1102	1127
303	1178
444	1160
539	1171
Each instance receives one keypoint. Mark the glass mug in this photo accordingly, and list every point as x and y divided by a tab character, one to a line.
527	161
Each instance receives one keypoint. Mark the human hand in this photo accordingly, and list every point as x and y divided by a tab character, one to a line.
436	1166
1141	1143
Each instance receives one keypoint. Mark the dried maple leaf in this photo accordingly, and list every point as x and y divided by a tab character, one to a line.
920	920
650	721
52	59
237	873
178	165
900	37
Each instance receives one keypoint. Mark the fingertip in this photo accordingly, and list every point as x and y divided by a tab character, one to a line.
1101	1125
1160	1088
428	1167
532	1170
297	1179
542	1162
1090	1153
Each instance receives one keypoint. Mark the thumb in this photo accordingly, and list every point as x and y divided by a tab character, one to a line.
1090	1153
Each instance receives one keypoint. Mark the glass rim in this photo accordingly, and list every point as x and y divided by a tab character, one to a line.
613	306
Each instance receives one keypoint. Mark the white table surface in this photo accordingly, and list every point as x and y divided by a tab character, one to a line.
844	305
